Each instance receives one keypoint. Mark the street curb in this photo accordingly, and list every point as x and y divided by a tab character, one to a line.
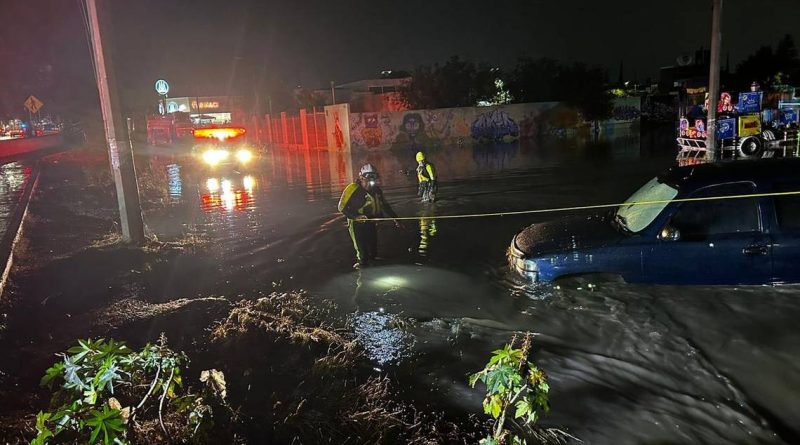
15	224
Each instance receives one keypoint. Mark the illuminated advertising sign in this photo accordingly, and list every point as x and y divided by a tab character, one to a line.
749	125
162	87
217	104
207	105
699	128
789	116
684	127
726	128
175	104
725	104
750	102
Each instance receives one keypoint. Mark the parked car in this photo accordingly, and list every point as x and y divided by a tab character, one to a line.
16	133
743	240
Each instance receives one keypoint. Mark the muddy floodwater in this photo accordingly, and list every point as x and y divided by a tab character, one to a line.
627	363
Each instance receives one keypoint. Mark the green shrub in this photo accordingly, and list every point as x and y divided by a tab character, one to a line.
512	382
107	393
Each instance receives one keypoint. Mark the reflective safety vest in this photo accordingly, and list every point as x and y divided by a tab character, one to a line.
357	201
426	172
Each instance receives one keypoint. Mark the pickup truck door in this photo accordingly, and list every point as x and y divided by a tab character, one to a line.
786	234
719	241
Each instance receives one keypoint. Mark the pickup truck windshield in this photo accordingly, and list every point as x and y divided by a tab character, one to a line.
634	215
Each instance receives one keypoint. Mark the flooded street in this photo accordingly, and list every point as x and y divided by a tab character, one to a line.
627	363
13	177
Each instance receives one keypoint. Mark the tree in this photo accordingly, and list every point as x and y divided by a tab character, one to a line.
307	99
534	80
770	67
585	89
788	61
457	83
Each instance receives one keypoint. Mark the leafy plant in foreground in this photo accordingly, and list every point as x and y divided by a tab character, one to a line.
512	383
102	387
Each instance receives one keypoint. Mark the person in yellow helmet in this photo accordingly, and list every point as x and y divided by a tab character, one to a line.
426	174
361	201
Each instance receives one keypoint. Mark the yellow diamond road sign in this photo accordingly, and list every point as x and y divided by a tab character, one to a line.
33	104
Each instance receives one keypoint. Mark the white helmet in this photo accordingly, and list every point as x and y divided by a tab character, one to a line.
368	170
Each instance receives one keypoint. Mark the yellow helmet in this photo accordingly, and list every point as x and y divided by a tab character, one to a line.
420	156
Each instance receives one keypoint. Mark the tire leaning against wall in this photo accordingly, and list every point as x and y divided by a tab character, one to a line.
751	147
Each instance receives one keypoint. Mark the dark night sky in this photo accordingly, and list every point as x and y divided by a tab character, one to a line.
213	47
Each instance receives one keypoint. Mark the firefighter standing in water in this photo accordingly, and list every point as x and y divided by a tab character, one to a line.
361	201
426	174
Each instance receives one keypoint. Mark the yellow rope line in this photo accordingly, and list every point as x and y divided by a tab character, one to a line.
573	208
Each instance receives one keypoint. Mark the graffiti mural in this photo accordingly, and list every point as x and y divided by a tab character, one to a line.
412	135
337	123
389	130
439	123
495	125
338	134
356	130
626	109
528	127
372	133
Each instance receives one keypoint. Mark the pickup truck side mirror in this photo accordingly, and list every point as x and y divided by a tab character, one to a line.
669	233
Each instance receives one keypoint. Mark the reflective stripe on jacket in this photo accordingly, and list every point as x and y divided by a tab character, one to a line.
357	201
426	172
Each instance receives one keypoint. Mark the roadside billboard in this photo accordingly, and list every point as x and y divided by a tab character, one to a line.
749	125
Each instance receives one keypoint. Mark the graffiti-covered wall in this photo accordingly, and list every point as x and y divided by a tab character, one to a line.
626	109
427	129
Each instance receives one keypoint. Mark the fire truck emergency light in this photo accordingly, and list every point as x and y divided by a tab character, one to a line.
220	134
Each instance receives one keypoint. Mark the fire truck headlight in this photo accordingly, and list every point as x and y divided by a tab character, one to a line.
244	156
214	157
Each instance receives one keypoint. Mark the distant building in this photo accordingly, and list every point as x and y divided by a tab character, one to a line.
691	70
207	110
370	95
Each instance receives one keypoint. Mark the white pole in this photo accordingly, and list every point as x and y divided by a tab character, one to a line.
713	80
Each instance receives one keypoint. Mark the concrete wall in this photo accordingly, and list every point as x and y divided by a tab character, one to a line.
426	129
13	147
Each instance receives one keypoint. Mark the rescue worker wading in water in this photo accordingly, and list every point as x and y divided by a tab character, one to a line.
362	201
426	174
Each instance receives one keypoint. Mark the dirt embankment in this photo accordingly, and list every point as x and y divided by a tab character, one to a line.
294	376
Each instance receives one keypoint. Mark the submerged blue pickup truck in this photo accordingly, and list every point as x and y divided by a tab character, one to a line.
734	240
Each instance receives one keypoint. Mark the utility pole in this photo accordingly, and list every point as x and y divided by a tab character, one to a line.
120	152
333	94
713	80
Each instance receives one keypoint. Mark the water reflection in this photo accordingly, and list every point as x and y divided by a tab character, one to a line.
13	177
174	182
228	193
427	230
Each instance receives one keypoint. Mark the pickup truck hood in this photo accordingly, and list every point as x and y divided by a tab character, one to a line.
567	234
